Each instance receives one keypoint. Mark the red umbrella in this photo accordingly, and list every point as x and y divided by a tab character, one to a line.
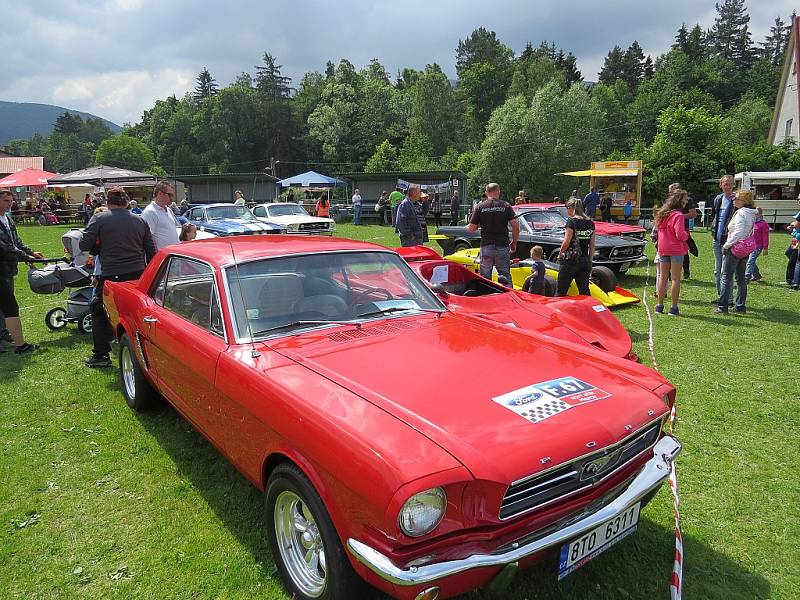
27	178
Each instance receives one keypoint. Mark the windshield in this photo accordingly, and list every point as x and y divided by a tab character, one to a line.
300	292
539	220
215	213
286	210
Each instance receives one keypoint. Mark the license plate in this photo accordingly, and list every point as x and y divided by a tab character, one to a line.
624	267
581	550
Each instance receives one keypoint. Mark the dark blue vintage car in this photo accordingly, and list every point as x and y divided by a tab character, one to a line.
229	219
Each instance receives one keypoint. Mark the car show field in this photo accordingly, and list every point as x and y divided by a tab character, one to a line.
98	501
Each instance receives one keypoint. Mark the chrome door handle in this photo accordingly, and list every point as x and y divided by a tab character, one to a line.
149	319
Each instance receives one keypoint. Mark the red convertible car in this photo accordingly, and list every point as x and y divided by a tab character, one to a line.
577	319
316	366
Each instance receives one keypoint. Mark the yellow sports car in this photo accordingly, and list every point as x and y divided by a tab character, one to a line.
603	285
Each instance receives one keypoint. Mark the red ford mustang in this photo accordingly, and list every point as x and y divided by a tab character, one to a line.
420	449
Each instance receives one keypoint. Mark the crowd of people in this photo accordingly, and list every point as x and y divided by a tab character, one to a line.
123	238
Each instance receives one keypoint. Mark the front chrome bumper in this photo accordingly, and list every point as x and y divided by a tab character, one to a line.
652	475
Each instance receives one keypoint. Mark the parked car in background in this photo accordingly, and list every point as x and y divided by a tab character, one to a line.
602	227
294	218
225	219
426	480
545	228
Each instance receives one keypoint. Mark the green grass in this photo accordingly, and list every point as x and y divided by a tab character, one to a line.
98	502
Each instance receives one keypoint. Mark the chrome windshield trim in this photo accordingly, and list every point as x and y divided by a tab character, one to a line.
652	475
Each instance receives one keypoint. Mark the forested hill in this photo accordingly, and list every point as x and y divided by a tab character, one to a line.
20	120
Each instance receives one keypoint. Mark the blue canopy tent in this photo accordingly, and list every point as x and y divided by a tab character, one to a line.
311	179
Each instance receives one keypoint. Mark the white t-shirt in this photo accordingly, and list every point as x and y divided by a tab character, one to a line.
240	201
162	223
356	198
4	221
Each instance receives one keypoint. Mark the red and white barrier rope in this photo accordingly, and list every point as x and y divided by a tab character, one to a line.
676	583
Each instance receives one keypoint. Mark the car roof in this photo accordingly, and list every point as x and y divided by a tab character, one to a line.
279	204
221	251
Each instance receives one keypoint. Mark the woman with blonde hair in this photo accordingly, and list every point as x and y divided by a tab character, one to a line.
740	228
672	236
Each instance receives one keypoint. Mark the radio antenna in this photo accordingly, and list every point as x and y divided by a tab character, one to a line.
254	353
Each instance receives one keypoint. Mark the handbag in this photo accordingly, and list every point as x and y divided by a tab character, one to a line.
378	207
693	250
745	247
573	255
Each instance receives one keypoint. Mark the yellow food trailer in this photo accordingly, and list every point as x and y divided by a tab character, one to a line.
620	179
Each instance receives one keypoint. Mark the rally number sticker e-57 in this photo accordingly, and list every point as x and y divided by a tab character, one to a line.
540	401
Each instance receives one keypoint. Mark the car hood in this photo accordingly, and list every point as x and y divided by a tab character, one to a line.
607	228
462	382
237	225
292	219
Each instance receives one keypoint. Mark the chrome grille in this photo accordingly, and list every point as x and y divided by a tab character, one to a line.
313	226
569	478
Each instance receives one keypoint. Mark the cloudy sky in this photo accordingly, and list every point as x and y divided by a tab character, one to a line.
114	58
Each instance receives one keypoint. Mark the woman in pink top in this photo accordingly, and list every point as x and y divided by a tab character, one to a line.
761	233
672	247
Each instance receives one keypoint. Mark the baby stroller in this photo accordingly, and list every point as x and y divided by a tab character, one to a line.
58	274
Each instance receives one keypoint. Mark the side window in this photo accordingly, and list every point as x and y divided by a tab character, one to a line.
196	214
188	290
260	211
160	285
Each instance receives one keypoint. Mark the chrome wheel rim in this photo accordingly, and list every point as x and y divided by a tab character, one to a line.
128	373
300	544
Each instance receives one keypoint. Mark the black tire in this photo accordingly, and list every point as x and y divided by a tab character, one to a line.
604	278
550	286
461	245
85	323
286	489
55	318
554	255
138	392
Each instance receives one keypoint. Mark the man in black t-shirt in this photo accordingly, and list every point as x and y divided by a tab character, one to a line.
492	217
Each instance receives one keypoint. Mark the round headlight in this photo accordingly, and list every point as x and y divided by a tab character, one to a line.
422	512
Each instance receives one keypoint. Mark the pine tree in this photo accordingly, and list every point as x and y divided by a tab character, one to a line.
774	46
696	44
269	80
633	64
730	36
681	38
613	66
206	86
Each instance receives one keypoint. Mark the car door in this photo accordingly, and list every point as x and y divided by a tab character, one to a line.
186	339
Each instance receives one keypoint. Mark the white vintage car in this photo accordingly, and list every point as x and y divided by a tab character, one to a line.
294	218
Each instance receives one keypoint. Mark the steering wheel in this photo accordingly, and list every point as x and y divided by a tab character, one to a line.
360	296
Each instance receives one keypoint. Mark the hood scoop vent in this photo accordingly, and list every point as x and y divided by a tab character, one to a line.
382	329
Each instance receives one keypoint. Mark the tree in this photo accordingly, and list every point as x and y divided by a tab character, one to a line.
206	86
747	123
685	149
433	110
613	66
774	46
730	36
68	123
376	118
416	152
332	123
275	118
633	62
526	144
124	151
482	46
484	66
384	158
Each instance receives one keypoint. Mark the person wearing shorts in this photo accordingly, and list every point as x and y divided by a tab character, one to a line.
672	247
12	251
